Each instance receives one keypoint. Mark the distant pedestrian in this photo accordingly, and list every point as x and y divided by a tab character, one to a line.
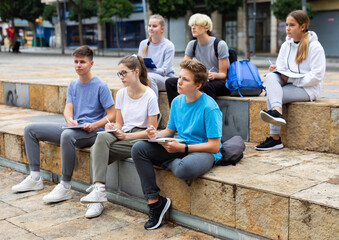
89	103
303	54
10	36
161	51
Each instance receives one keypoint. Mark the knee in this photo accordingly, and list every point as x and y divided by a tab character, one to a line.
272	78
138	149
29	130
67	135
183	172
170	82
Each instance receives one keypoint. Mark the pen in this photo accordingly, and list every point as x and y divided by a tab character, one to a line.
211	69
108	120
269	61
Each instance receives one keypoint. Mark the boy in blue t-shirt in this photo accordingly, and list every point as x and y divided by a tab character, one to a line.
89	105
198	120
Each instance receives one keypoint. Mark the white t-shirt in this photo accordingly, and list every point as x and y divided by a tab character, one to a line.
135	112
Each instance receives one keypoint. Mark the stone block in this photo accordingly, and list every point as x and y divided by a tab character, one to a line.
262	213
62	98
16	94
312	221
82	166
51	97
164	109
2	95
334	130
304	133
235	118
174	188
13	147
214	201
36	96
129	181
112	176
2	145
50	159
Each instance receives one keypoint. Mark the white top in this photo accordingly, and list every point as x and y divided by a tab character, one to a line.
313	67
135	112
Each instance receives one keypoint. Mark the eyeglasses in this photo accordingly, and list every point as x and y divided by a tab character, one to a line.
123	73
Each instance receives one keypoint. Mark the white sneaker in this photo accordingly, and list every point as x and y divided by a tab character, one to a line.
59	193
94	210
28	184
98	194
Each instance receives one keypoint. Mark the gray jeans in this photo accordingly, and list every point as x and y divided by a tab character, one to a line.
107	149
69	139
279	93
184	166
157	82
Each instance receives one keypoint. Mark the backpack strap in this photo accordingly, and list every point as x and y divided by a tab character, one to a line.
216	42
194	47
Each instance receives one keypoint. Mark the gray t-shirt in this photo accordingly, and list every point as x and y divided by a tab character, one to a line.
205	53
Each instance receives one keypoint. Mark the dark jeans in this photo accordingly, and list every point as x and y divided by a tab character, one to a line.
184	166
212	88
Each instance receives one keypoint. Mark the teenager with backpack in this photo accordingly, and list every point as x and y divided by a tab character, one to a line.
161	51
201	27
302	54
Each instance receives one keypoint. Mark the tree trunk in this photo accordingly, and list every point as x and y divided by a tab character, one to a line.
101	26
247	42
117	35
81	35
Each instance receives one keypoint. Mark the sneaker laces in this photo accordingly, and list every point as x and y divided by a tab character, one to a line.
151	214
90	188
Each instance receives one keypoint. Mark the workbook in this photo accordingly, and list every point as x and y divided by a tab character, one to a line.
149	63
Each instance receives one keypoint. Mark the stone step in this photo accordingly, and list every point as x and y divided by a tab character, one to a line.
310	125
282	194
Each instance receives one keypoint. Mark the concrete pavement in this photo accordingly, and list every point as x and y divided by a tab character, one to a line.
25	216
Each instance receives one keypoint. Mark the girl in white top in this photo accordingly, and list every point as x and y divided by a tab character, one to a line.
161	50
303	54
136	109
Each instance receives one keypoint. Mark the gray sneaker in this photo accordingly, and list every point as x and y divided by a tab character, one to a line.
28	184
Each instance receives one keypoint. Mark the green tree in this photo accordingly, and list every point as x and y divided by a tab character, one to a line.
49	12
170	8
282	8
9	10
223	6
111	9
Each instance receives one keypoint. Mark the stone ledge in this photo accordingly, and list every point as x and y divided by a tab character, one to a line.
275	194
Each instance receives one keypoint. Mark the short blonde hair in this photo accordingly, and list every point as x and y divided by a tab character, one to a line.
201	20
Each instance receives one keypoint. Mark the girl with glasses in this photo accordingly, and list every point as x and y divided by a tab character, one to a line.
136	109
161	51
303	54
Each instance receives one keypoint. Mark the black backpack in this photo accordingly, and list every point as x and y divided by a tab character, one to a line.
231	52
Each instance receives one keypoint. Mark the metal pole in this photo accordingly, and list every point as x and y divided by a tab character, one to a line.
303	2
255	19
60	22
145	16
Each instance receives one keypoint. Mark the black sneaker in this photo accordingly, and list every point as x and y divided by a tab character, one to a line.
270	144
156	212
272	116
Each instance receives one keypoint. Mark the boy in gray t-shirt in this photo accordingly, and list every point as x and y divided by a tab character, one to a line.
201	26
88	107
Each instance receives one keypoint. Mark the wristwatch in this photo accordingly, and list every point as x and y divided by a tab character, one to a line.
186	148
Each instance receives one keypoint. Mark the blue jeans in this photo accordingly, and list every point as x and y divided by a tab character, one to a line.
184	166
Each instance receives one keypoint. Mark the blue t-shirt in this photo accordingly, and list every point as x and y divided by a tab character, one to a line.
89	100
196	121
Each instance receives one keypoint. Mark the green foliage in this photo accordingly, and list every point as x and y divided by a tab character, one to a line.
223	6
118	8
89	9
49	12
282	8
171	8
24	9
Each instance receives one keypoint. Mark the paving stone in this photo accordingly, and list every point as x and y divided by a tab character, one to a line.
10	211
312	221
10	231
214	201
177	190
326	194
262	213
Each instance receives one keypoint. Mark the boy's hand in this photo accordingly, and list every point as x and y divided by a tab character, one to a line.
110	126
151	132
173	147
71	122
88	127
120	134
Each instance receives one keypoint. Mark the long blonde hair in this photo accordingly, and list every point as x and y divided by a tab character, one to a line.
162	23
301	18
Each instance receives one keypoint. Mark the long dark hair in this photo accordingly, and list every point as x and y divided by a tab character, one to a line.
136	62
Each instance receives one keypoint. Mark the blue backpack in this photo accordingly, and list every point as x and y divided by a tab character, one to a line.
244	79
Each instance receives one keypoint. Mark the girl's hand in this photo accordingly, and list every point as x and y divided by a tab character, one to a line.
110	126
173	147
151	132
272	68
120	134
